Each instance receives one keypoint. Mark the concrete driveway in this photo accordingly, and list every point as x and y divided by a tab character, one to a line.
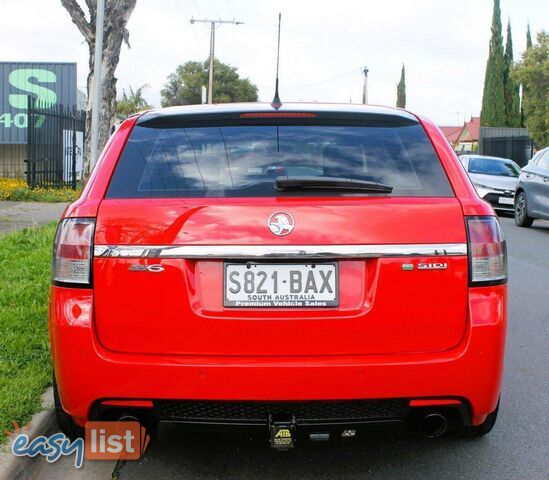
17	215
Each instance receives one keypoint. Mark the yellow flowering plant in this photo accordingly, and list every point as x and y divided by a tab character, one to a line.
16	189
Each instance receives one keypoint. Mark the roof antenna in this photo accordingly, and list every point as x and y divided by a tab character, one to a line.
276	103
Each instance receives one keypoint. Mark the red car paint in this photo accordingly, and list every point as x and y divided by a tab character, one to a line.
419	335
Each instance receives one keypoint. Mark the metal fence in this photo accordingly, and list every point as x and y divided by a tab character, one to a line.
513	143
55	144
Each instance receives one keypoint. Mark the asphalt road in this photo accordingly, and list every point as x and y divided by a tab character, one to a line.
517	448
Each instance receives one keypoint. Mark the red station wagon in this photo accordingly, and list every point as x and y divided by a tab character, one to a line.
307	270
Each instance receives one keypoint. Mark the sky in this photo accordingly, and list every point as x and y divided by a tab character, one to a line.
324	46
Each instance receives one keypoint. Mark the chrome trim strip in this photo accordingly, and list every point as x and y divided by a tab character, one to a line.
243	252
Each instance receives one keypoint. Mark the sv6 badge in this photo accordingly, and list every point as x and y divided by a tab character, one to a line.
146	268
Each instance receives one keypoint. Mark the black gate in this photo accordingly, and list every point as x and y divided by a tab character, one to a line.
55	145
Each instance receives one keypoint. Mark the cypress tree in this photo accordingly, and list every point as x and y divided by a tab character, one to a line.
524	89
512	103
528	37
401	90
493	98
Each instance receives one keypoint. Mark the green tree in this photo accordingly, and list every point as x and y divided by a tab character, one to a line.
401	89
533	72
132	102
524	89
184	86
493	97
117	15
528	37
511	88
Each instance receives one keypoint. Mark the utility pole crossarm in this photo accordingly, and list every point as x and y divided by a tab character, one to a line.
206	20
212	48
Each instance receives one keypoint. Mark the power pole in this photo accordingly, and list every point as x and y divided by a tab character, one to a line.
212	49
365	90
96	92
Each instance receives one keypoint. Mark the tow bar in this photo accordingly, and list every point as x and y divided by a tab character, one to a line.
282	431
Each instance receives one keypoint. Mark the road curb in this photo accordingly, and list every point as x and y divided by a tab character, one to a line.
12	467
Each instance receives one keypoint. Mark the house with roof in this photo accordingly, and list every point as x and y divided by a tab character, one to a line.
452	134
463	138
469	135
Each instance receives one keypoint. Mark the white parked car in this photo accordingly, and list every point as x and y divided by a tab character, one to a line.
494	178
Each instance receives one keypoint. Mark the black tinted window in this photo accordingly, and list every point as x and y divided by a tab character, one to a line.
488	166
244	161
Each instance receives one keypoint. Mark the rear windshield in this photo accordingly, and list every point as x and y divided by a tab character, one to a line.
245	161
488	166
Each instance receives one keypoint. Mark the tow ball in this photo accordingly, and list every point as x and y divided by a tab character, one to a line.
282	430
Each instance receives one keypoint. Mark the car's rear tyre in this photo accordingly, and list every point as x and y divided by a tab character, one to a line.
65	421
480	430
521	211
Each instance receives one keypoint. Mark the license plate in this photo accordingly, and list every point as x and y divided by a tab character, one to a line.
506	200
281	285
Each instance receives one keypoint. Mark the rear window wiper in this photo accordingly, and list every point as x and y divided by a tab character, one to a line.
330	183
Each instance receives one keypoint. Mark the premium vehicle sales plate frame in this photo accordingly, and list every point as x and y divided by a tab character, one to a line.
313	276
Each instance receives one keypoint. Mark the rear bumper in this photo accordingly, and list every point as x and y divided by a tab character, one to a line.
86	372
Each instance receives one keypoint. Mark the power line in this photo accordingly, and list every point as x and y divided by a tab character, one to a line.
354	70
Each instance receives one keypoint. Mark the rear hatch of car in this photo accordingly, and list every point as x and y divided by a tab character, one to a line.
202	248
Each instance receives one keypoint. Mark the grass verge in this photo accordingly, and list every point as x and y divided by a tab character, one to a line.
16	189
25	367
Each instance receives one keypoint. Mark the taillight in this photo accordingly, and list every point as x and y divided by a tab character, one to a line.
487	251
72	251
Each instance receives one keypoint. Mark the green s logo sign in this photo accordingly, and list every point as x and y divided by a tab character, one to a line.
21	79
